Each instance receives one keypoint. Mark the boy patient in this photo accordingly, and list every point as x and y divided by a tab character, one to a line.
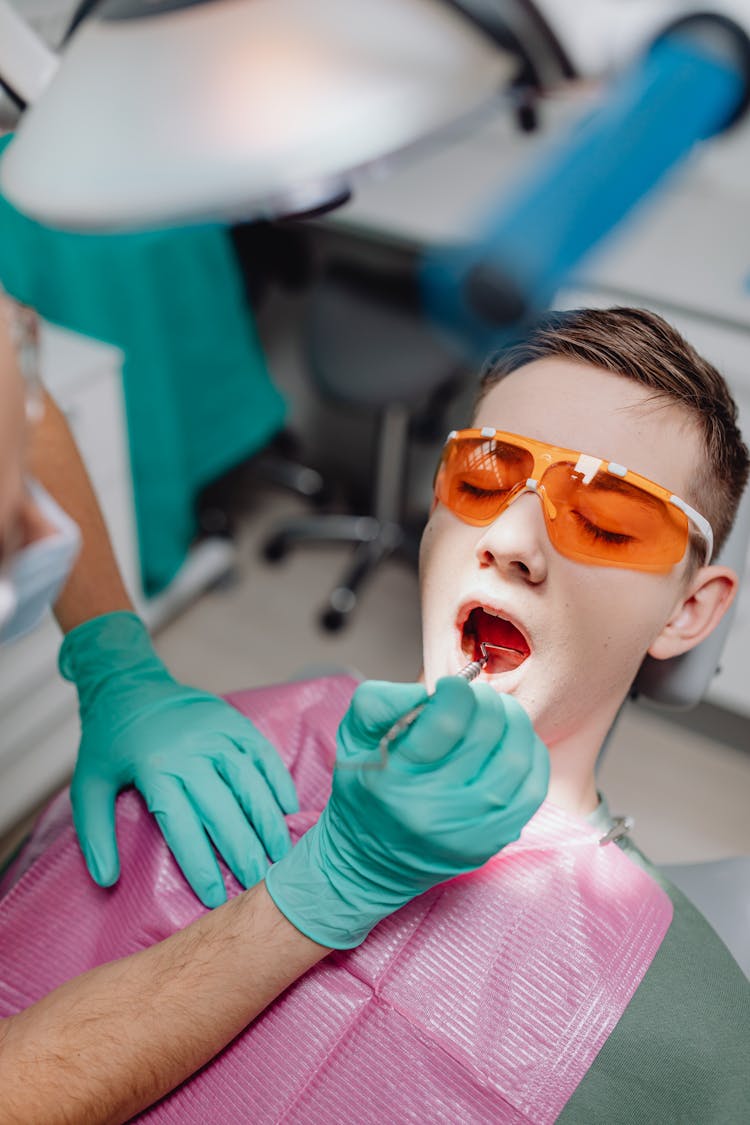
493	959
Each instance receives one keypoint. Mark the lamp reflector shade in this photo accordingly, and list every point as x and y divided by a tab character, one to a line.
235	109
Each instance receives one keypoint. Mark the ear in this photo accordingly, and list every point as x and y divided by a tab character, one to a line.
699	610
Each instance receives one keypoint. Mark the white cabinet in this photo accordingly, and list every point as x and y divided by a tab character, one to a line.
84	376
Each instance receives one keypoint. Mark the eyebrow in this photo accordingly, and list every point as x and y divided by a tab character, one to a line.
508	452
604	482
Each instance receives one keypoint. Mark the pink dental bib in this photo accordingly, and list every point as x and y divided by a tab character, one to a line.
486	999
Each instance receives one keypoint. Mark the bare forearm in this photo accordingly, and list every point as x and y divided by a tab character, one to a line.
95	585
111	1042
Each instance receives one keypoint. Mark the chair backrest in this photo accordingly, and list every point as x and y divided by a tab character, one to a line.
369	346
683	681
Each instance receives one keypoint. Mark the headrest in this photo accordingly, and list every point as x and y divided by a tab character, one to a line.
682	681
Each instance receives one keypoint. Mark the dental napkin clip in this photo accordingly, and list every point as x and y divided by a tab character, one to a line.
621	826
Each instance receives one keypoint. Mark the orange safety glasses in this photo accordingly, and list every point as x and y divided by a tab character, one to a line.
596	511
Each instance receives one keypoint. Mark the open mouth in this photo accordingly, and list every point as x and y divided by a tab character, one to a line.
507	647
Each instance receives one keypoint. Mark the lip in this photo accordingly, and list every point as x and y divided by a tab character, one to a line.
496	610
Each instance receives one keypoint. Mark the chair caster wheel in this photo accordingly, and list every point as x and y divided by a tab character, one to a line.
275	549
332	620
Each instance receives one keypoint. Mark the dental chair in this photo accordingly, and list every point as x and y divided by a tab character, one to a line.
719	888
368	347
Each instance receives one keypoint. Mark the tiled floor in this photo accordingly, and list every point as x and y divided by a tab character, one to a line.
690	795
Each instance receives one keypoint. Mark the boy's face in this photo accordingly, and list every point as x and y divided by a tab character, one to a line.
587	627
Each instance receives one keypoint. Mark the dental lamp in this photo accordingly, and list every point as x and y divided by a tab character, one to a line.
173	111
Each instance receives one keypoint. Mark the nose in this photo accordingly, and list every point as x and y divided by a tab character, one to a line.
516	543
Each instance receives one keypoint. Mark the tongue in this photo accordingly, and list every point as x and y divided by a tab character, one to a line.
497	631
506	646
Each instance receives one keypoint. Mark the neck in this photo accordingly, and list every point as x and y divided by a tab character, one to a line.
573	758
576	795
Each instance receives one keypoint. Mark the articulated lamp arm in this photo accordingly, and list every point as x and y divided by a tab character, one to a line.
692	84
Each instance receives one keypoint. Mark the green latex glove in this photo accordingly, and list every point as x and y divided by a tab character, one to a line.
204	770
458	785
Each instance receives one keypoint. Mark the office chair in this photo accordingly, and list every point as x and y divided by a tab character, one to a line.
368	347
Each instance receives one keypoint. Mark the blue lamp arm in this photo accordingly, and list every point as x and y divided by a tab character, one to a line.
691	85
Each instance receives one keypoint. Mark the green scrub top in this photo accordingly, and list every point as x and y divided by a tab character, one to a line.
198	396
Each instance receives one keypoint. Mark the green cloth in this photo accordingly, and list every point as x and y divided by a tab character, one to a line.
197	392
680	1054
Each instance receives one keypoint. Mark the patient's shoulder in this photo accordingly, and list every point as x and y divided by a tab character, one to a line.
679	1052
690	934
695	961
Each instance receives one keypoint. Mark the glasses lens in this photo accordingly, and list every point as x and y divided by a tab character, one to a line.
612	521
478	476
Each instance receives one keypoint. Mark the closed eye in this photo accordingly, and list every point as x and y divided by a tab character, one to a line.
470	489
601	534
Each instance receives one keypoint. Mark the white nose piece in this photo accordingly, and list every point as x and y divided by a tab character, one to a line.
532	485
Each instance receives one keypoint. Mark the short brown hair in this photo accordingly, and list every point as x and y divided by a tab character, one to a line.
641	346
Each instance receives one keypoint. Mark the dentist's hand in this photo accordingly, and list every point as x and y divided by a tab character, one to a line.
458	785
203	769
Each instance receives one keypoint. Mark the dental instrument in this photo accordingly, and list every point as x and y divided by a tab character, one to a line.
469	672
